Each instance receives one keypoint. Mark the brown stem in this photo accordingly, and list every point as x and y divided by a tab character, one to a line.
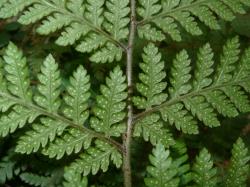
128	135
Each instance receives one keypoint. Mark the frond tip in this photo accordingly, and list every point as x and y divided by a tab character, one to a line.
152	83
239	165
162	172
204	174
109	112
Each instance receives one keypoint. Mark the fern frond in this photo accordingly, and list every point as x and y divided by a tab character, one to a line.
203	110
164	16
5	104
204	173
109	112
77	97
7	168
95	159
49	87
34	179
239	165
17	118
152	79
78	21
150	33
41	180
180	75
178	116
34	13
151	129
229	57
117	18
72	34
17	72
12	7
162	174
204	92
94	10
72	141
204	68
40	135
221	103
53	123
74	179
181	162
90	43
108	53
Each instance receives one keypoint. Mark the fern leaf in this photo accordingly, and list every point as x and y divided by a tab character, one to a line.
152	130
5	103
76	6
35	13
40	135
117	18
165	15
236	6
12	7
72	33
17	72
181	162
77	97
95	11
17	118
7	168
221	103
149	33
108	53
79	21
178	116
50	83
238	97
180	75
74	179
34	179
72	141
162	174
148	8
228	59
200	108
239	166
243	69
109	111
96	158
152	85
92	42
204	173
53	23
204	68
206	16
167	25
205	92
188	22
37	180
